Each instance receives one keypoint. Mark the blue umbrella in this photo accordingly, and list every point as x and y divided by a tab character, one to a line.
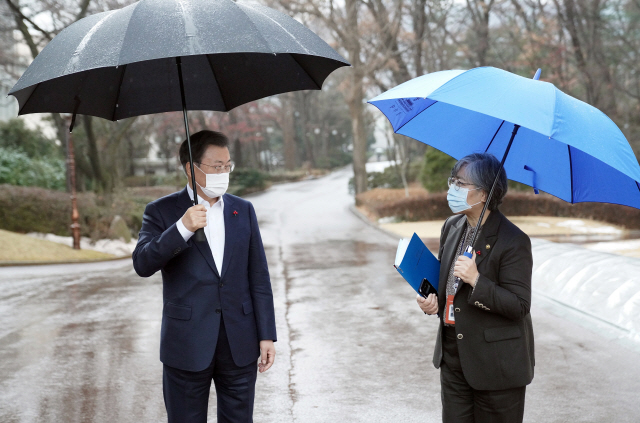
546	138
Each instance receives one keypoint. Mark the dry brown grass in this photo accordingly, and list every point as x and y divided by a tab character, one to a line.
17	248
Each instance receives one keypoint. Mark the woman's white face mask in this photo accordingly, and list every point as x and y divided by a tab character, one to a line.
216	185
457	199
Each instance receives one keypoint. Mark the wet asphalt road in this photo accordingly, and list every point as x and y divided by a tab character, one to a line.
80	343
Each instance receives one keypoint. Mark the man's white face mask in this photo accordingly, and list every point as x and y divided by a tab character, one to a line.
217	184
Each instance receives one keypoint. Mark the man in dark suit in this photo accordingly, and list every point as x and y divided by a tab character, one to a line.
218	315
484	347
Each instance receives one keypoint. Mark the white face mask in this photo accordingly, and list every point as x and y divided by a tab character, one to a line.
217	184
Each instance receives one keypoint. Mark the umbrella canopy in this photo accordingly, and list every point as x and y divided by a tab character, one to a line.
159	56
564	146
122	63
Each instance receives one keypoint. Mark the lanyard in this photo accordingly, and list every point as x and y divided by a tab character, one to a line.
456	280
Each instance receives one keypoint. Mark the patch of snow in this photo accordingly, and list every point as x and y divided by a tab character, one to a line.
579	226
609	247
379	166
388	219
571	223
543	224
603	230
117	247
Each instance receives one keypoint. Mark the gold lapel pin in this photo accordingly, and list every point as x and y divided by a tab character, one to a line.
488	246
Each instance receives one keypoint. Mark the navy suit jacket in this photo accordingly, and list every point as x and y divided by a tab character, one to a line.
195	295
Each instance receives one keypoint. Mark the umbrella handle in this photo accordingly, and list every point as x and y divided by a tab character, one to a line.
199	235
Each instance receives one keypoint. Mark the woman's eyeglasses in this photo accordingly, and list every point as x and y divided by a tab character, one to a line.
457	183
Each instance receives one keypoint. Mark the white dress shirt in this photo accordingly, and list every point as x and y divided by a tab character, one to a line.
214	229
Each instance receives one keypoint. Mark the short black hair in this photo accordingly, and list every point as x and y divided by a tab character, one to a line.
199	143
481	170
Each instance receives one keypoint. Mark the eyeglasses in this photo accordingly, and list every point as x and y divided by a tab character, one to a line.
457	183
220	169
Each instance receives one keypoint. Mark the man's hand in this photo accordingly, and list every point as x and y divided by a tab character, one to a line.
429	305
195	218
466	269
267	355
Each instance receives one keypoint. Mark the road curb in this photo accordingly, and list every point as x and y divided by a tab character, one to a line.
366	220
45	263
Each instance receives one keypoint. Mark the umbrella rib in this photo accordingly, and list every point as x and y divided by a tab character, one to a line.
293	37
417	114
570	171
494	137
27	100
305	71
115	108
215	77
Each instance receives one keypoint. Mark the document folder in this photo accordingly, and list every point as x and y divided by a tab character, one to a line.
418	265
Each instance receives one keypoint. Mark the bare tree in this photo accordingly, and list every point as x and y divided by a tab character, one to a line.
479	12
585	23
287	125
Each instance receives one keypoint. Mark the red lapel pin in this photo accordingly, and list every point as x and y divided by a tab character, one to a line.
235	213
478	252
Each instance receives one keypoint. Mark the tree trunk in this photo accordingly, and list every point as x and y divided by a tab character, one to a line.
480	11
237	153
356	110
94	155
403	149
306	130
419	19
288	132
355	98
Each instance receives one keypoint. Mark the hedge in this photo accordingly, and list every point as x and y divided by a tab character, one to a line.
32	209
434	206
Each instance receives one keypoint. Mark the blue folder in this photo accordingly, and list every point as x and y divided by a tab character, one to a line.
417	263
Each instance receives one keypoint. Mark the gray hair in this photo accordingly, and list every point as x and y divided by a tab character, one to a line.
481	171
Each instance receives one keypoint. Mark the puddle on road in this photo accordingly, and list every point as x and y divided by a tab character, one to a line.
333	254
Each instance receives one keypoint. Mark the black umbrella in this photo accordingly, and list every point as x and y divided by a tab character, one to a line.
158	56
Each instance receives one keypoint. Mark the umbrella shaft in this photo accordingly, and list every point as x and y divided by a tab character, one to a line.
186	128
493	186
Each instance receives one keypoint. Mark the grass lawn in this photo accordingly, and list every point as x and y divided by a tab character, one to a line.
19	248
537	226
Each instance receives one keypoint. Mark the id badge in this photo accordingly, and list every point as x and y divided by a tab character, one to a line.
449	316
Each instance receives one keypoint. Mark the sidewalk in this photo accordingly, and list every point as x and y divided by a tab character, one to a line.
597	283
589	234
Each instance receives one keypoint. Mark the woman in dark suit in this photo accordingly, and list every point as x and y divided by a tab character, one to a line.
484	347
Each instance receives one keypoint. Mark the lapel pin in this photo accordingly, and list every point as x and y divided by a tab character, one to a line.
235	213
478	252
488	246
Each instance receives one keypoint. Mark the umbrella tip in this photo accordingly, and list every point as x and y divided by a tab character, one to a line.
537	75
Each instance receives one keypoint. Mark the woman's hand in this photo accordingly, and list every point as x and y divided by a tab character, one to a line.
466	269
429	305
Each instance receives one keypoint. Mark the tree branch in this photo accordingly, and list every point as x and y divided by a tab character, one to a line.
18	14
84	6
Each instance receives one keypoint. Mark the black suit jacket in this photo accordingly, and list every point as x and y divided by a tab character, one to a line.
493	324
195	295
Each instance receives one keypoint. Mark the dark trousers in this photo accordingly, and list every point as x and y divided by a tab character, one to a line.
186	394
463	404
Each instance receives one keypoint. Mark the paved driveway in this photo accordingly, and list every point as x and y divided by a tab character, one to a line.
80	343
